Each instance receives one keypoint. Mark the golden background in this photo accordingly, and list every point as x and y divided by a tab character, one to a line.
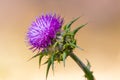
100	38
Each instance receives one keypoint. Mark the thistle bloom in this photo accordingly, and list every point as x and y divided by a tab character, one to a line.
43	30
43	34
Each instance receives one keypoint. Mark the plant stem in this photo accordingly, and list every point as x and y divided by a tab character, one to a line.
88	73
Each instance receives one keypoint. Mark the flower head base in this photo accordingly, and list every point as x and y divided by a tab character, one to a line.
43	30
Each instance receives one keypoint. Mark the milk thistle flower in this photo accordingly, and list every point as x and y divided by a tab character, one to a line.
57	43
43	30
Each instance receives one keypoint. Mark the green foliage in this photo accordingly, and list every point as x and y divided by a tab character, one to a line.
86	69
74	45
52	61
48	67
78	28
64	57
88	65
67	26
35	56
40	58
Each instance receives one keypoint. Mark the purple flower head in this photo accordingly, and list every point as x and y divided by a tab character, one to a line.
43	30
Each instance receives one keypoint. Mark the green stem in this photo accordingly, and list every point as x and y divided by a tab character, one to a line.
88	73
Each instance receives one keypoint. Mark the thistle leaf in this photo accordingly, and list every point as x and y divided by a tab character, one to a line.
52	61
64	57
78	28
56	43
48	67
73	45
34	56
88	65
67	26
45	62
40	58
65	46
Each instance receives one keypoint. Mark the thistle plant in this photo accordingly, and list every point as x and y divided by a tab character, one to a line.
47	36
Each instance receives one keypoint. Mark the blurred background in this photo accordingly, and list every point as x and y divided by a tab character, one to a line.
100	39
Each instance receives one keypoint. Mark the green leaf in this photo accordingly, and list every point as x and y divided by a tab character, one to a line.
78	28
88	65
73	45
56	43
65	46
79	48
45	62
69	24
64	57
52	61
34	56
40	58
48	67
